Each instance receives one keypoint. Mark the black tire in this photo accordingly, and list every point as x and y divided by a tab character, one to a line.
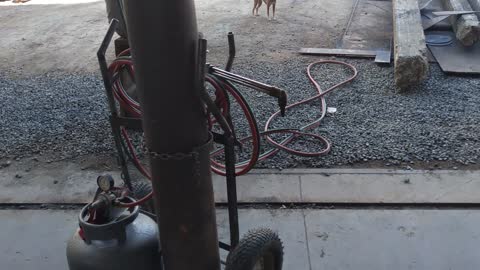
141	189
258	248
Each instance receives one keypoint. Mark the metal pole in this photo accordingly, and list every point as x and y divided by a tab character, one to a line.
111	102
164	39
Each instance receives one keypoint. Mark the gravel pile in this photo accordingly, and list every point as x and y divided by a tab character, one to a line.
65	115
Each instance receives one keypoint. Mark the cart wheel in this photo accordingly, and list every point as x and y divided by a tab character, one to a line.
140	190
259	249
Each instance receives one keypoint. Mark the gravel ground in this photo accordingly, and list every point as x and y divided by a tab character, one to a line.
435	122
55	116
64	116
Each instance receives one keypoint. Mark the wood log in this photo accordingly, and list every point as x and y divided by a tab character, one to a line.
410	51
467	26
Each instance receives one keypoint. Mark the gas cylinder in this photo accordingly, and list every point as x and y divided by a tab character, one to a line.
128	239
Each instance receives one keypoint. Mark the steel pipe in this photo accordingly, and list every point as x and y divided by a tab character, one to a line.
164	40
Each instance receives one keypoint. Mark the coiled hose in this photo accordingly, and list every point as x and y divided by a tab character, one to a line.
222	89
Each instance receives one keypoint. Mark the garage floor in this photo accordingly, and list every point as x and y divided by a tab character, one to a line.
313	239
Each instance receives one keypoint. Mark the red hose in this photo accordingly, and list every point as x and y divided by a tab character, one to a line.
244	167
219	168
320	95
133	107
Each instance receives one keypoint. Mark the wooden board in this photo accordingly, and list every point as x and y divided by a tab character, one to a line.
410	55
465	26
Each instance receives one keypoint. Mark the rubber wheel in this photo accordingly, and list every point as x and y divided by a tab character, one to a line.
140	190
259	249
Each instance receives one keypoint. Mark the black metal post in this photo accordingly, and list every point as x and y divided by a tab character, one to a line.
232	192
107	81
231	51
164	39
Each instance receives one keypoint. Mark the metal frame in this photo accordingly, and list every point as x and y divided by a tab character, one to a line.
227	139
115	119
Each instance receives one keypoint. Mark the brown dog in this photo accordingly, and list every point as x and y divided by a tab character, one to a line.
258	3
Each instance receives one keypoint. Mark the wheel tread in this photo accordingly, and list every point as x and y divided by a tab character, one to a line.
254	243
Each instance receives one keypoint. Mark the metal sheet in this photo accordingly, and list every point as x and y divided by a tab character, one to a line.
422	4
457	58
370	26
457	12
339	52
438	40
383	57
427	13
428	23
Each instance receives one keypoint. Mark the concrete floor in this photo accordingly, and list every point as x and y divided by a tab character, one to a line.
313	239
70	182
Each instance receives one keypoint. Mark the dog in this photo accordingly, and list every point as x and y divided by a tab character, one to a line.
258	3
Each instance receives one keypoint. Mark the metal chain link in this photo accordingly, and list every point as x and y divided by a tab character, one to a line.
194	155
172	156
178	156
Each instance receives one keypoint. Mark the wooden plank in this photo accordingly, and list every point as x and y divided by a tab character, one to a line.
465	26
339	52
410	51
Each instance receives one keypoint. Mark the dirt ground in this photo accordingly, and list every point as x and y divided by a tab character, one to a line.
38	37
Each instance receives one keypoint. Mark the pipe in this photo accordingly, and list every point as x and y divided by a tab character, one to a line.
163	37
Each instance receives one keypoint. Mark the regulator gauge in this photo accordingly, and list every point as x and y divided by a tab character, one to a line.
105	182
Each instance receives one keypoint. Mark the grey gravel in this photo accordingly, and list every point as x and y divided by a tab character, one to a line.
437	121
58	116
5	164
53	117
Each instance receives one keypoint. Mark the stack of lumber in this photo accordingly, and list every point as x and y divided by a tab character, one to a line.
466	26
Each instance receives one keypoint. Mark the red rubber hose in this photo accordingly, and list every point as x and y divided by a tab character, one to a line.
320	95
219	168
296	132
133	107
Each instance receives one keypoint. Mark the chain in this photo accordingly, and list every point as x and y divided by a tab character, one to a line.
194	155
173	156
179	156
